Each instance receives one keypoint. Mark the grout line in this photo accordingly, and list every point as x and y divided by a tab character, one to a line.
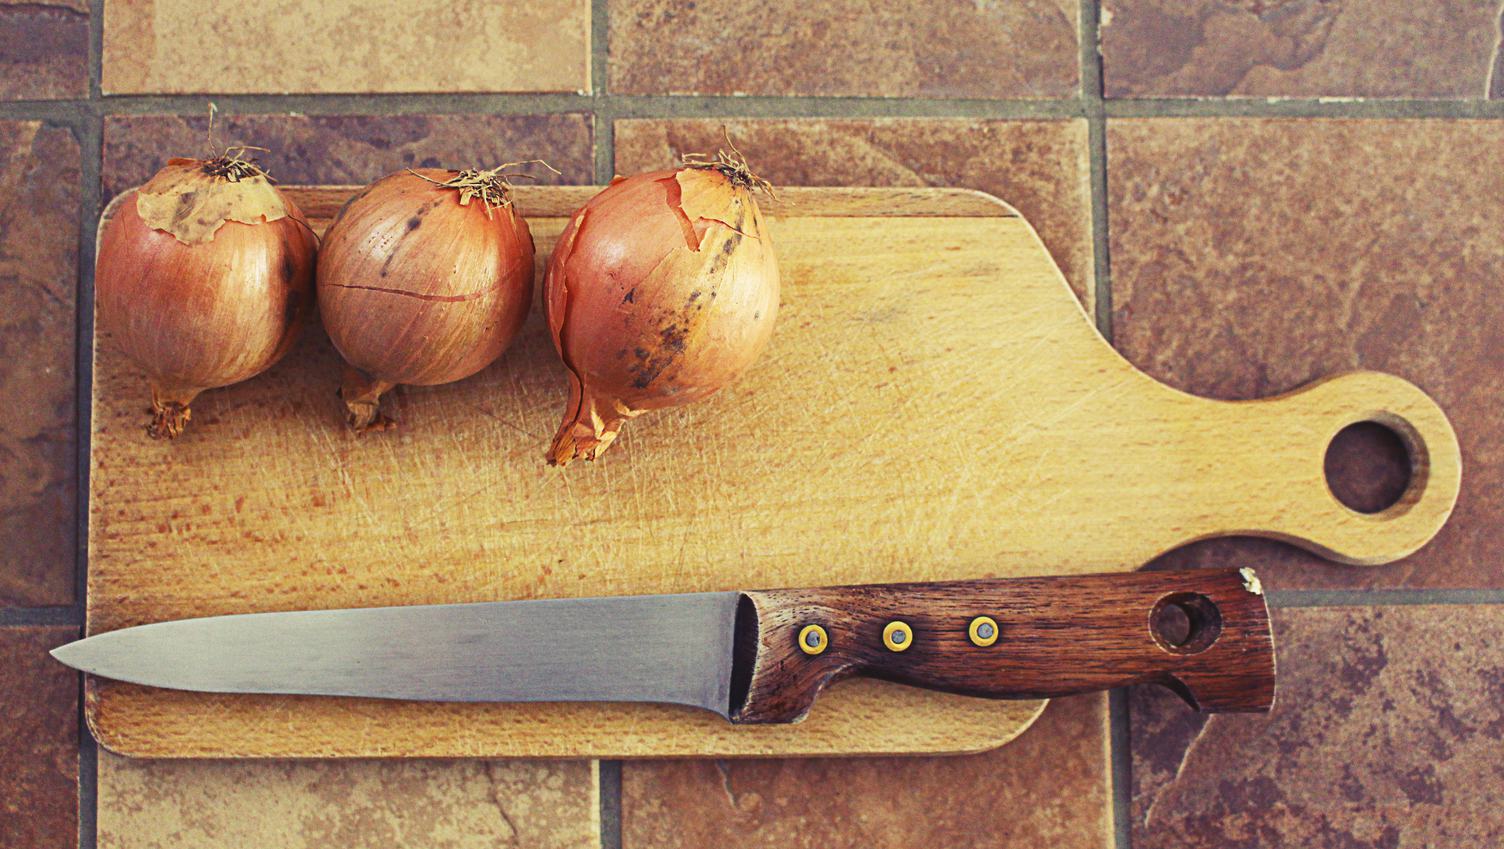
1284	599
1119	735
91	152
646	106
62	111
604	116
716	106
610	816
603	138
1119	753
30	617
88	785
96	49
1328	107
605	146
91	144
605	141
1096	131
1096	136
89	204
732	106
600	45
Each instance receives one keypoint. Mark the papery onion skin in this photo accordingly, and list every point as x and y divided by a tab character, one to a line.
211	313
415	287
662	289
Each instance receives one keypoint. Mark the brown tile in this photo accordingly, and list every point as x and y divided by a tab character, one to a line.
288	46
1040	167
1298	48
351	148
1387	732
1496	76
146	804
44	49
39	758
1250	256
39	206
882	48
1049	787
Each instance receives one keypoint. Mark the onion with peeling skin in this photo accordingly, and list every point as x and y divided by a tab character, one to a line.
417	284
205	275
662	289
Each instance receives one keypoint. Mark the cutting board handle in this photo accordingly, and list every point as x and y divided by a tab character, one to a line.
1298	427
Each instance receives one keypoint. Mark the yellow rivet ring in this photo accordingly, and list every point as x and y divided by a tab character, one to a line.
813	639
982	631
898	636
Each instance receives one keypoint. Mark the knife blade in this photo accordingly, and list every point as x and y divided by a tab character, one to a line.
753	656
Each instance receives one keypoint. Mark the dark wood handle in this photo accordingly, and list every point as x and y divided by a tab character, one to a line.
1203	633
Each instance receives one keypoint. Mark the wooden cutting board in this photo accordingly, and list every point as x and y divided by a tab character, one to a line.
935	405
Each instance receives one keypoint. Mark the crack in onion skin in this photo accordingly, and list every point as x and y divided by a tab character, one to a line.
662	289
416	287
218	300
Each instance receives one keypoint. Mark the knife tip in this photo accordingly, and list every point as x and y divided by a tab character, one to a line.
63	653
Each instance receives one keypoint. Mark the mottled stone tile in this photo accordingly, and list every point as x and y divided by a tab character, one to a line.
145	804
39	208
1388	732
39	758
1496	76
351	149
44	49
1049	787
884	48
288	46
1251	256
1040	167
1298	48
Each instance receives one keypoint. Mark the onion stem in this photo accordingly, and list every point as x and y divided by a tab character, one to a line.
732	163
493	186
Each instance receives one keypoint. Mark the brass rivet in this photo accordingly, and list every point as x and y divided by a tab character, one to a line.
813	639
982	631
898	636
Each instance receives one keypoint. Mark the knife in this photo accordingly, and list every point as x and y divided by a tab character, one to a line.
752	657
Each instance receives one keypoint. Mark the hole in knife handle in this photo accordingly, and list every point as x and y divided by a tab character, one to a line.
1185	623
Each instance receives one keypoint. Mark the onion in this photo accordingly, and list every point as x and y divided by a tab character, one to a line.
205	276
419	285
662	290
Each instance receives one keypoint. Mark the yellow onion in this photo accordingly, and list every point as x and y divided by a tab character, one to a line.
424	278
205	276
662	289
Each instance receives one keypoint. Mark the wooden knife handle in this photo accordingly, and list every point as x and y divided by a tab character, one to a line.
1015	638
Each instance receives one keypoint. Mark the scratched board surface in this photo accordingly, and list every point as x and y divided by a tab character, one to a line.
934	405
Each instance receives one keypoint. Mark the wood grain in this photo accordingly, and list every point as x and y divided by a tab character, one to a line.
1055	637
934	406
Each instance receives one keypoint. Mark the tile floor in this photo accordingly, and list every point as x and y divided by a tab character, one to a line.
1247	195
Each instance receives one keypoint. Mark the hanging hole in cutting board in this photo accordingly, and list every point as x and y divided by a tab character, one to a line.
1185	623
1368	467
